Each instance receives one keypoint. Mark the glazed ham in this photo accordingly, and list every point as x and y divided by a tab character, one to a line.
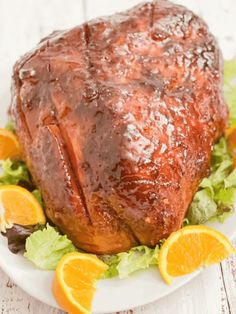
117	119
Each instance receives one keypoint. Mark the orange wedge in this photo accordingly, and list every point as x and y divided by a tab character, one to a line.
9	145
74	283
19	206
190	248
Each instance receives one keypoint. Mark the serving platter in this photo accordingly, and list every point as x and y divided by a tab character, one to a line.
143	287
112	295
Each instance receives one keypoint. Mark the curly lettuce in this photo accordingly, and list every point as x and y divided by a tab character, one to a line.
216	196
230	88
13	172
124	264
10	126
46	247
38	197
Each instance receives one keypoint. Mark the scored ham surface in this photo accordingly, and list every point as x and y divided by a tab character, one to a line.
117	118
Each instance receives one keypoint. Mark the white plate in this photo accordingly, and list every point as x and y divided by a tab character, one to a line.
147	286
112	295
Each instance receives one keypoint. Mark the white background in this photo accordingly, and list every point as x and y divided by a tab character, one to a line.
22	24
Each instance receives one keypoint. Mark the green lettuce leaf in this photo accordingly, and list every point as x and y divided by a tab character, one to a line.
222	181
225	196
216	195
112	261
220	174
10	126
124	264
12	172
230	88
185	222
202	208
46	247
222	218
38	197
220	154
207	185
230	181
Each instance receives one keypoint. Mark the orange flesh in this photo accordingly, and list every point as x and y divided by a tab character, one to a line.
19	206
9	146
19	209
193	251
191	248
74	283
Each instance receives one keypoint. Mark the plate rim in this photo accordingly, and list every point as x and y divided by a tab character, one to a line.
185	280
148	300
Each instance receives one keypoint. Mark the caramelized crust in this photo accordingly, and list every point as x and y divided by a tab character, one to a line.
117	119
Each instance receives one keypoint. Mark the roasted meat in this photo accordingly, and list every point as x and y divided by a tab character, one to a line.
117	119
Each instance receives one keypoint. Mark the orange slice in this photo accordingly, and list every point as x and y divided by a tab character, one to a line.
74	283
190	248
9	145
19	206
